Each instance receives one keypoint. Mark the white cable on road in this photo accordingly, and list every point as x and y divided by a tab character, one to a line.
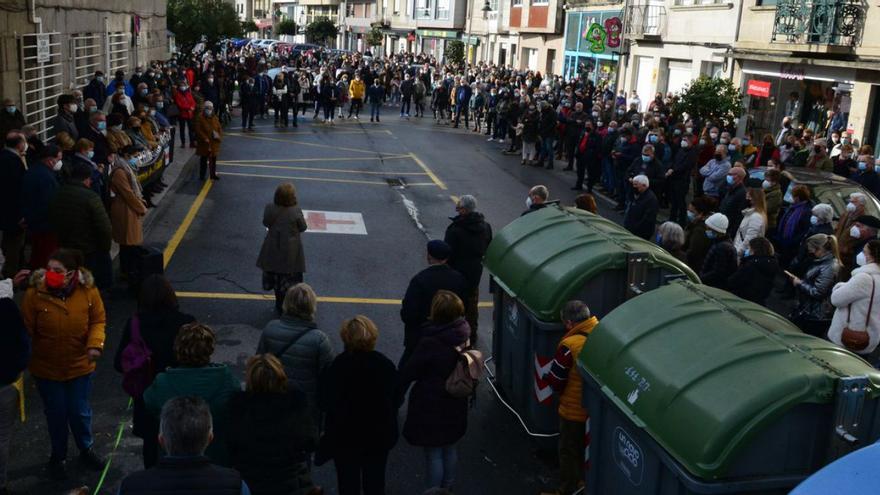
523	423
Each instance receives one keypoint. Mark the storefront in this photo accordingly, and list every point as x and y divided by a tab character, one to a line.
472	45
433	41
817	97
592	45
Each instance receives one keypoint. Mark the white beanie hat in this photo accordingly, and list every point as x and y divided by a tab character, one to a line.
718	222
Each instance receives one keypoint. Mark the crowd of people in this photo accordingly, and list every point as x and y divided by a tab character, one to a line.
737	215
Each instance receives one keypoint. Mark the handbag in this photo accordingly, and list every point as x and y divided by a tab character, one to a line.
137	362
857	340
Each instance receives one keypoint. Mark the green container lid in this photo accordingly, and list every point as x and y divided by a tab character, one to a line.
546	257
703	371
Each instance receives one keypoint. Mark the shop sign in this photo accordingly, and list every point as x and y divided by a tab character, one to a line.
761	89
606	34
428	33
792	71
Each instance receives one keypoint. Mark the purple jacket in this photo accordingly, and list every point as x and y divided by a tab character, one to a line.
434	418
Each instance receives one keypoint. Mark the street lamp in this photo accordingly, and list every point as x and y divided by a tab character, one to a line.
486	9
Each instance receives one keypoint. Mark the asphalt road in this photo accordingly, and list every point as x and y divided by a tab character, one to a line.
400	177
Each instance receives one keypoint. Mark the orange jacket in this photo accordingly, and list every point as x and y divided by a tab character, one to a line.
570	402
63	330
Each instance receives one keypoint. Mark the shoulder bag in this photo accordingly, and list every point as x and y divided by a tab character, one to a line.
857	340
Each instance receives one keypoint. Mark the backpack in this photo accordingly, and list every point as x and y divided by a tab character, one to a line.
137	362
462	382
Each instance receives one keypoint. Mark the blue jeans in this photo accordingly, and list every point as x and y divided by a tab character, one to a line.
67	408
441	463
374	110
546	152
607	174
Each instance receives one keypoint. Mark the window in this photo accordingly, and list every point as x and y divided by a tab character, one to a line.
765	3
424	9
702	2
442	9
396	7
517	3
540	2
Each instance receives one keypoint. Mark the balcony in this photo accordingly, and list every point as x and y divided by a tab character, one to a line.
645	21
820	22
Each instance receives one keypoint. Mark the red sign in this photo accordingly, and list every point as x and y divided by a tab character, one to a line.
760	89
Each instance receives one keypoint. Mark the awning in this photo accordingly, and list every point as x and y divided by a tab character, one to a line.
263	23
438	33
799	72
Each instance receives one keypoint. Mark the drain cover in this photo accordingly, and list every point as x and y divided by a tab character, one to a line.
396	182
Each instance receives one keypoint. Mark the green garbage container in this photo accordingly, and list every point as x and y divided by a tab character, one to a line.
539	262
692	390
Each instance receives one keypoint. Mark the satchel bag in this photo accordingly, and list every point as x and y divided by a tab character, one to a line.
857	340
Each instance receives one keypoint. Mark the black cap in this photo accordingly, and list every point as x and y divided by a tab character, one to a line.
439	250
869	221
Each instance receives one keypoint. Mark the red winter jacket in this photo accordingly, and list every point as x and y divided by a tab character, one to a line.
185	103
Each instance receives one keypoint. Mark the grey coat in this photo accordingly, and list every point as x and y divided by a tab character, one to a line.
306	359
282	250
65	123
814	292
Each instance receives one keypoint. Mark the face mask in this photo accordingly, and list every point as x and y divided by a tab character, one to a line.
57	166
731	147
528	202
100	79
711	234
619	111
72	108
652	138
10	109
646	158
144	92
600	123
814	220
183	88
713	135
730	180
658	239
208	112
850	207
685	143
612	129
90	154
877	169
718	157
855	233
117	127
746	253
622	139
54	280
93	109
724	141
677	132
152	113
863	166
702	142
861	260
690	130
133	161
102	126
746	142
691	216
595	114
120	91
766	184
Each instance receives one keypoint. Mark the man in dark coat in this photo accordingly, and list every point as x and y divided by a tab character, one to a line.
12	170
641	215
416	307
80	220
574	127
96	89
469	236
250	104
589	159
185	432
11	118
678	178
734	201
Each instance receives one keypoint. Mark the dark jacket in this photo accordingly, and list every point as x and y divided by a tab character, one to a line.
753	280
720	263
12	172
653	170
574	124
870	180
814	292
434	418
683	164
732	207
416	306
80	220
463	95
358	396
547	127
158	329
802	260
269	438
469	237
183	476
38	188
64	122
10	121
406	88
282	250
102	147
306	359
15	343
250	96
533	208
375	94
641	215
696	244
96	91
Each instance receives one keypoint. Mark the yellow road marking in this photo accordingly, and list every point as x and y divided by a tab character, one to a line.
340	170
271	297
307	133
454	199
439	183
346	158
345	181
187	221
304	143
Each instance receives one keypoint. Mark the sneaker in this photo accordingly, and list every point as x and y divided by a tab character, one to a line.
489	140
356	117
58	470
500	141
407	115
92	460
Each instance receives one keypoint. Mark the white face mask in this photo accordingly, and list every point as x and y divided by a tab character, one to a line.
766	184
528	201
861	260
850	207
855	233
57	166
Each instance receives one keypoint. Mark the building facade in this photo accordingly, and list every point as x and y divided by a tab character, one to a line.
820	67
59	45
593	39
536	28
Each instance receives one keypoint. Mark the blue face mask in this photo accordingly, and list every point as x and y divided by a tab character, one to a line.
747	253
90	154
863	166
658	239
132	161
691	216
711	234
877	169
814	220
745	142
730	180
652	138
102	126
646	158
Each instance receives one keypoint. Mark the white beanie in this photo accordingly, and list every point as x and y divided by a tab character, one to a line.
718	222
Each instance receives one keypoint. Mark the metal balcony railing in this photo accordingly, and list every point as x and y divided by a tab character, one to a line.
645	20
821	22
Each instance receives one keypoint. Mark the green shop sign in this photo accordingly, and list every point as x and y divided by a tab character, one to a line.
430	33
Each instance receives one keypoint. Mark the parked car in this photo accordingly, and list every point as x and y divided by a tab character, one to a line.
825	187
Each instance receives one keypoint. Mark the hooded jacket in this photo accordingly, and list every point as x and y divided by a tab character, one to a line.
434	418
469	236
63	330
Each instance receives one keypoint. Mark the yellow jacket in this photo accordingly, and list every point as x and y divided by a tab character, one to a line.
357	89
570	402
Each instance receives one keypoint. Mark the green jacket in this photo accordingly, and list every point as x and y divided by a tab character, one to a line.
80	219
213	383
